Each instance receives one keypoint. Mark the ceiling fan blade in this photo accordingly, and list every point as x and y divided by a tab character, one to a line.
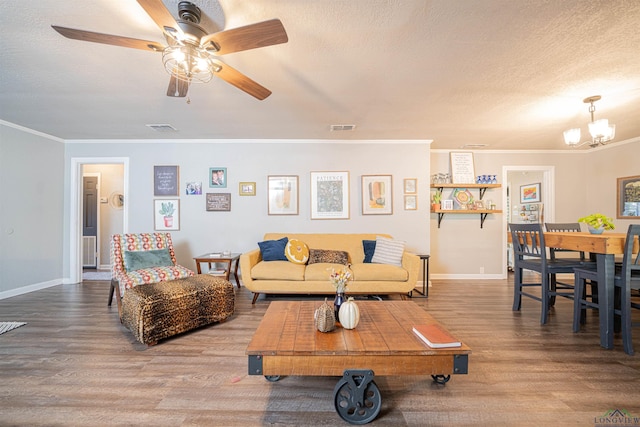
90	36
178	88
161	16
242	82
261	34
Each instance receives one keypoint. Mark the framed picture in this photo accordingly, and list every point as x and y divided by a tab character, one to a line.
479	205
165	181
628	198
446	205
329	195
377	195
218	202
166	214
218	177
193	188
247	188
282	195
410	202
530	193
410	186
462	168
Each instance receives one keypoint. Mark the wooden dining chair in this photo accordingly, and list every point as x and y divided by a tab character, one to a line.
530	253
627	277
581	258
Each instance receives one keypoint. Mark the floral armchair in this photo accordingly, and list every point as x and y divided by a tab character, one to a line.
141	259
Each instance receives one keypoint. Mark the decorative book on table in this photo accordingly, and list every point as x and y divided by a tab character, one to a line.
436	336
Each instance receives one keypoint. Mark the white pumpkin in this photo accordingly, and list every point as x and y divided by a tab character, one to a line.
349	314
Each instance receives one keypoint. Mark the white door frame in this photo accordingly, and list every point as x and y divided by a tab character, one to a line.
75	208
548	199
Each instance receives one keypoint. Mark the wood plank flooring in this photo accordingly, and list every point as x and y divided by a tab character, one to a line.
74	364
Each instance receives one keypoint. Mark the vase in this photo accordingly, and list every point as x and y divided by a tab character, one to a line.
337	302
594	230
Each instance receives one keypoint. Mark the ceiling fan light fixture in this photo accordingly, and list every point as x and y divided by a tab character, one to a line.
186	62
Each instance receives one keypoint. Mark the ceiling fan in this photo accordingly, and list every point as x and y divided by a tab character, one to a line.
190	56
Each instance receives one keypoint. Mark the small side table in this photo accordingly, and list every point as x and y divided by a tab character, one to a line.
217	257
425	278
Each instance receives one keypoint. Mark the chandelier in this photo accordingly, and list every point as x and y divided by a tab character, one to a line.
601	131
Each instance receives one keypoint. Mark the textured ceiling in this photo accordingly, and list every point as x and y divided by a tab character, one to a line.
508	73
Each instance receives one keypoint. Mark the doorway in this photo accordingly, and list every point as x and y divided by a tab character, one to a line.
523	176
76	208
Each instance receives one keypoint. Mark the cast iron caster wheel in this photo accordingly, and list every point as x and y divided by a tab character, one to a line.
272	378
441	379
348	406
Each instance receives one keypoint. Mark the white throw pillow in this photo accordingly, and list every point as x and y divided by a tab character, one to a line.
388	251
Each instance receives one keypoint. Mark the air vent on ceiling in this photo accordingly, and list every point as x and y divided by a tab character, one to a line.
342	127
474	146
163	128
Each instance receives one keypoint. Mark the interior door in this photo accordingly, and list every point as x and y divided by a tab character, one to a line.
90	215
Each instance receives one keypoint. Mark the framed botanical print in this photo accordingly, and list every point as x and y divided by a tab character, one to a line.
329	195
377	195
410	202
166	214
282	195
410	186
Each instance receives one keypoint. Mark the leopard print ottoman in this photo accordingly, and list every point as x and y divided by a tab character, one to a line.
161	310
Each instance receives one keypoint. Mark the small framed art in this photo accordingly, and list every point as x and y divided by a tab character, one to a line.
218	177
166	214
410	202
247	189
446	205
410	186
218	202
282	195
377	195
165	181
530	193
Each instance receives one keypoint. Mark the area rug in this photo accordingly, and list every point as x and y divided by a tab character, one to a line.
7	326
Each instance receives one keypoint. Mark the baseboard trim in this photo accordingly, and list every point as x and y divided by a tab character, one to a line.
468	276
29	288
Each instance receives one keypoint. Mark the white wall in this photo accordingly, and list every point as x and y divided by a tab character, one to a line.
31	214
240	229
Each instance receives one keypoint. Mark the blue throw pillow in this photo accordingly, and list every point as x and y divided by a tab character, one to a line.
137	260
273	250
369	249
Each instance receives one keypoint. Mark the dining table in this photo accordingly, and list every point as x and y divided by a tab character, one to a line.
605	247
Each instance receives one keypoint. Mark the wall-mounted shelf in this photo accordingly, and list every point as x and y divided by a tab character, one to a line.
482	188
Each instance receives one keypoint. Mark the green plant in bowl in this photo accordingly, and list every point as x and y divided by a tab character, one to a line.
598	223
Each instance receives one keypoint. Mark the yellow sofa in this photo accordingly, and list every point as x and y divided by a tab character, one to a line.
284	277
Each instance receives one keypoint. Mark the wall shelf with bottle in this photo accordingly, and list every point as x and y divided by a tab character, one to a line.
481	210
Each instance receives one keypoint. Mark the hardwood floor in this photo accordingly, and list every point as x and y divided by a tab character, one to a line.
75	364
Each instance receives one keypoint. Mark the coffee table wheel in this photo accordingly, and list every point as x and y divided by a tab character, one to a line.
272	378
441	379
356	397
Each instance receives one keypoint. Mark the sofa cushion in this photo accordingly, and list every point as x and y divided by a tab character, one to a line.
273	250
321	271
297	251
388	251
369	247
278	270
328	256
138	260
378	272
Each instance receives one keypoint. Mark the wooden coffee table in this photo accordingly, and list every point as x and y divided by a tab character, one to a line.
287	343
218	257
